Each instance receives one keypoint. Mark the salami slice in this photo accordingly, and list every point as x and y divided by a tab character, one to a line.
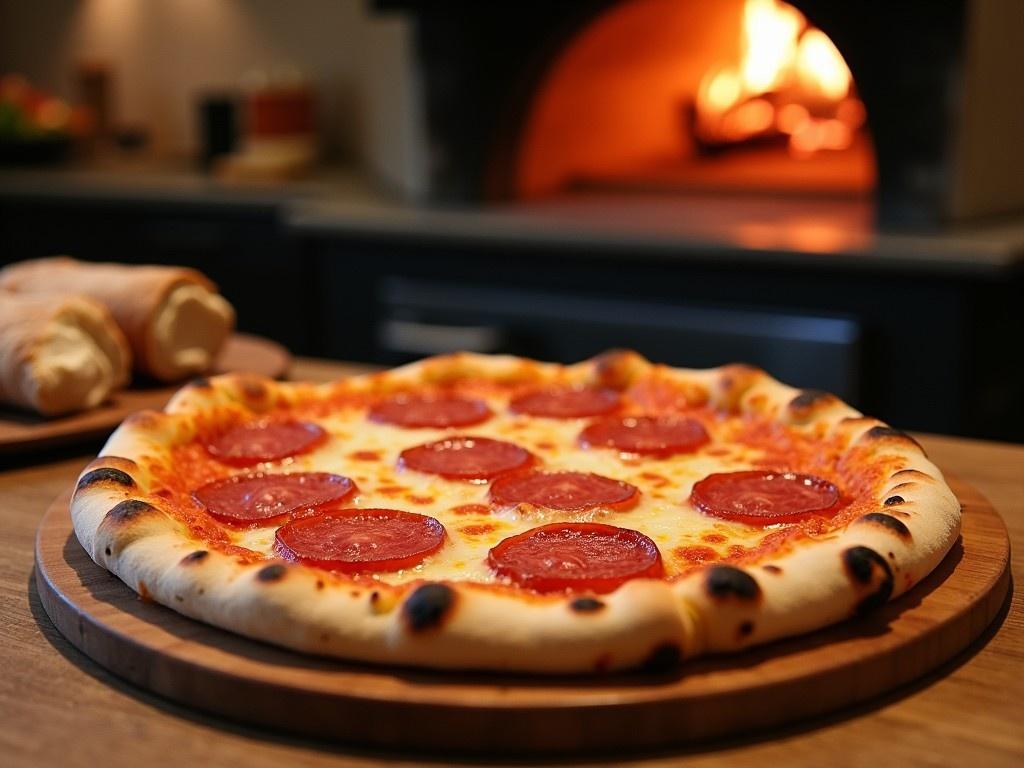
415	412
757	497
465	458
368	540
566	402
265	499
576	556
650	435
254	442
566	491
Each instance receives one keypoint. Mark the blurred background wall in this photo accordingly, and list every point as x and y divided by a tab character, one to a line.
164	52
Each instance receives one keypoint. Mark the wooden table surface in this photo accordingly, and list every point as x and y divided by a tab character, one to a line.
58	708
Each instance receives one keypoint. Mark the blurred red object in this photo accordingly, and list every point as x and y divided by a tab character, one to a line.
280	111
280	131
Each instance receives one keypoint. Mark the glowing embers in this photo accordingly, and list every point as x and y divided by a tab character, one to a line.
790	84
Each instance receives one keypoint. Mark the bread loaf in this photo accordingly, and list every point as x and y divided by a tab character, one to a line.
173	317
59	354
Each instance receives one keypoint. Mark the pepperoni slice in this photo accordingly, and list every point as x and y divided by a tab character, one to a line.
566	402
465	458
566	491
757	497
258	441
439	412
576	556
651	435
353	540
265	499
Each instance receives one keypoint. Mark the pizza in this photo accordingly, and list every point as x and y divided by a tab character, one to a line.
498	513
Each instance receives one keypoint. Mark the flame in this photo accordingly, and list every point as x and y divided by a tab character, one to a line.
791	80
769	36
820	67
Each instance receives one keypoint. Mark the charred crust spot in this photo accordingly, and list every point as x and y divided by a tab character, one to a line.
129	510
195	557
886	521
374	596
881	433
427	606
319	584
808	398
878	432
892	501
586	605
105	475
271	573
200	382
662	658
106	551
725	581
862	564
746	629
771	569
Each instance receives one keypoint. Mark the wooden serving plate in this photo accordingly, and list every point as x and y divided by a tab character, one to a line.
23	431
786	681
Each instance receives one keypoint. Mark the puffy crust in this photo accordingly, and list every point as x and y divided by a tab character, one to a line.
461	625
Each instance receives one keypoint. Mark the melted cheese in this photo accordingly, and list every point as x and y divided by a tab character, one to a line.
368	453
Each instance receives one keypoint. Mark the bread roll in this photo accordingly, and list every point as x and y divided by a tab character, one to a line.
174	319
59	355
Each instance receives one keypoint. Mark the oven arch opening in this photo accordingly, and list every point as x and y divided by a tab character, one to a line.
626	103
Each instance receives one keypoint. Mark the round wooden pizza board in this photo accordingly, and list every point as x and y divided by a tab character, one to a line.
784	682
22	431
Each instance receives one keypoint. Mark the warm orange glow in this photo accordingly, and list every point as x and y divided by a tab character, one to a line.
791	118
612	113
792	69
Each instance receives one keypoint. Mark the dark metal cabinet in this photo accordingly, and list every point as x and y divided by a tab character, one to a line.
925	352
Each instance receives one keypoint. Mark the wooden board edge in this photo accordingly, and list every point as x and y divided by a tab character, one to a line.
652	723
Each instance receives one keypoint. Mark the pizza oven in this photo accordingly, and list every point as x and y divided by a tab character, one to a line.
881	105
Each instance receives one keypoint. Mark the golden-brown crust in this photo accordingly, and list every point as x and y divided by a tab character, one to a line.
454	624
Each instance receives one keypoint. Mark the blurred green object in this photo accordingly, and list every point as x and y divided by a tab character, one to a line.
35	127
